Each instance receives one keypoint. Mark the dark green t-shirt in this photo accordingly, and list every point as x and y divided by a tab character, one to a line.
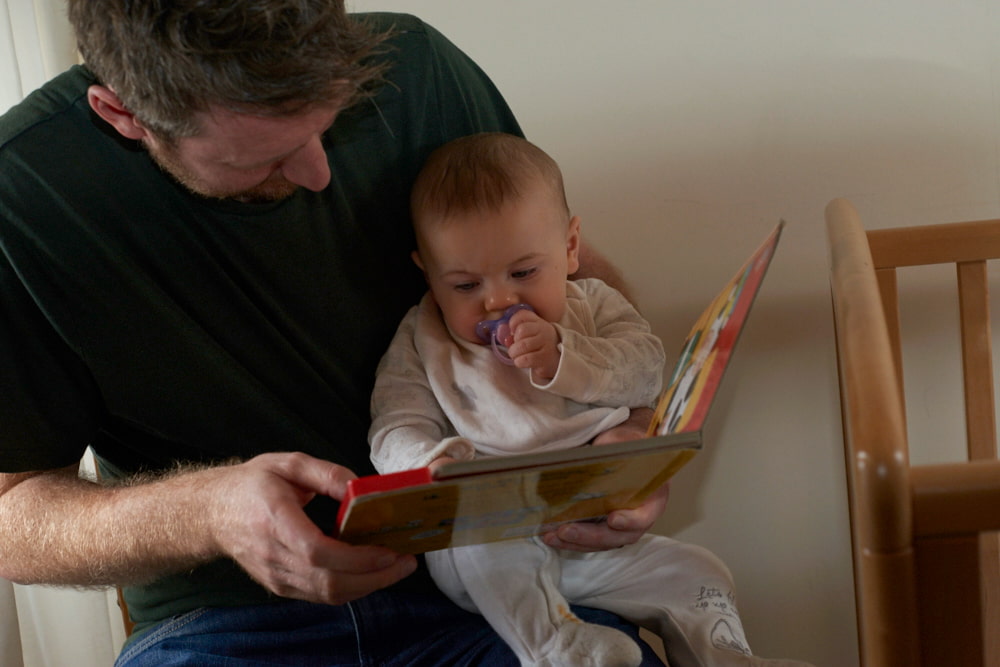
159	326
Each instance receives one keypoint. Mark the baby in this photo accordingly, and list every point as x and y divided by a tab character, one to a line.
493	231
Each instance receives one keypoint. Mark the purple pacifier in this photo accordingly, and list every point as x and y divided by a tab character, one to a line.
497	332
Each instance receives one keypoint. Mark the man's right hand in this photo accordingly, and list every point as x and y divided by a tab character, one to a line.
58	529
262	526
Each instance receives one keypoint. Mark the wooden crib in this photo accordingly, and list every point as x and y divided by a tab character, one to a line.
927	575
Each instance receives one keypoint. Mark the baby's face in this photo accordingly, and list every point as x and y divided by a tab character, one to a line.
479	264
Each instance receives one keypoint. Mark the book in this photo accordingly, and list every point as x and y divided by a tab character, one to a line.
498	498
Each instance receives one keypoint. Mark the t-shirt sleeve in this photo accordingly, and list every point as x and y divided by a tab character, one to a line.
471	96
50	404
447	95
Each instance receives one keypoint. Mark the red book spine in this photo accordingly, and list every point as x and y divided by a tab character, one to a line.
373	483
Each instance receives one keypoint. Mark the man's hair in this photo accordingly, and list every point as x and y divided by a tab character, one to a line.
480	173
168	60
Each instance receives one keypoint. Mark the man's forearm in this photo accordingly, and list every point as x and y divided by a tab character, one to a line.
58	529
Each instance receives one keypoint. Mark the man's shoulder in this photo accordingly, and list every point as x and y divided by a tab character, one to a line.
394	21
404	32
410	41
58	97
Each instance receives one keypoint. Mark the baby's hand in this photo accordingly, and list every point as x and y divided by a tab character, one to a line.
440	461
535	346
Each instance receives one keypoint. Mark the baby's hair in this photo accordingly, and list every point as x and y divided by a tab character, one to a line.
480	173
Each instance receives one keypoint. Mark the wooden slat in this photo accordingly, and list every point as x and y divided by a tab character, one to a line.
888	291
977	359
956	498
981	430
989	571
126	619
935	244
950	630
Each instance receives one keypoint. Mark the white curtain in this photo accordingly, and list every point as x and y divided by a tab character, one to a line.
10	637
41	626
35	44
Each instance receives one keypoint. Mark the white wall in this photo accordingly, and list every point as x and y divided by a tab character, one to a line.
686	130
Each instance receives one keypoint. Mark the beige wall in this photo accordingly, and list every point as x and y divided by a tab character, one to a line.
686	130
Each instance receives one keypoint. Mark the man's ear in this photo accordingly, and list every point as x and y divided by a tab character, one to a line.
573	246
106	104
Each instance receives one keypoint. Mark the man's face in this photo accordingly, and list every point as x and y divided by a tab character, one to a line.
250	158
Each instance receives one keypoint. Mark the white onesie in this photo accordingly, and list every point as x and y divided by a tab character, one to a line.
438	395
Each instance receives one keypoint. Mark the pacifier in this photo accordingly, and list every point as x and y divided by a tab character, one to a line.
498	334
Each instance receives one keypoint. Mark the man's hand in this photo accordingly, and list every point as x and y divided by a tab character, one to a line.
622	526
262	526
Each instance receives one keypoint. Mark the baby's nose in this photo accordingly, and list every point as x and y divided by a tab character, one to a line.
498	300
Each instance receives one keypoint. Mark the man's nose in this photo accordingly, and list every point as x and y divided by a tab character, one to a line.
308	167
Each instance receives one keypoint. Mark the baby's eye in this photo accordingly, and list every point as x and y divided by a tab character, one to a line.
521	274
465	287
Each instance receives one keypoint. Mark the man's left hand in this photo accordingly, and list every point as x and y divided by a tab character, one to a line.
622	527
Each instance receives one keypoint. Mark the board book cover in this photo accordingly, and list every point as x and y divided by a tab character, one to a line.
490	499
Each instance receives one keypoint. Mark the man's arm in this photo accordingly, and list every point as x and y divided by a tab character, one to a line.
595	265
57	529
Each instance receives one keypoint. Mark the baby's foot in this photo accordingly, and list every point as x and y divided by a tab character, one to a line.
591	645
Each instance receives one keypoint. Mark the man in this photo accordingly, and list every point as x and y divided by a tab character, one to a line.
203	238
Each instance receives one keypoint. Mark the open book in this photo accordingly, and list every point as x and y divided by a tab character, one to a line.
485	500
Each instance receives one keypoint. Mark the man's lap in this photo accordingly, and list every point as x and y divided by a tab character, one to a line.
385	628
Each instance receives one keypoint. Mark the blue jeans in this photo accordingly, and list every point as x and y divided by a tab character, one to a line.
385	629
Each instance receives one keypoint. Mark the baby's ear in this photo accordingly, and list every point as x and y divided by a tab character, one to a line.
415	256
573	245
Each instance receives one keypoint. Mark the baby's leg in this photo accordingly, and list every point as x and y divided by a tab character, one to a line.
514	585
682	592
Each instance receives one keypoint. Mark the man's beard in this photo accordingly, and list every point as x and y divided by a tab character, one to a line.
275	188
